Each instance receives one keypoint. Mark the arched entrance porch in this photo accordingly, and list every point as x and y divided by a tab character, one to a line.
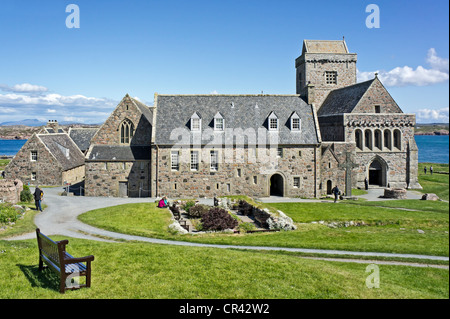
276	186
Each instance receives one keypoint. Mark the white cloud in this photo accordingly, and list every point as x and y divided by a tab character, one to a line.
51	111
430	115
403	76
23	88
214	92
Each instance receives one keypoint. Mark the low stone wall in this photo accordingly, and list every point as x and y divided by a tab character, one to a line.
266	218
10	190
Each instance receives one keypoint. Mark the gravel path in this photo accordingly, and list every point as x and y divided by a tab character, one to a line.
60	218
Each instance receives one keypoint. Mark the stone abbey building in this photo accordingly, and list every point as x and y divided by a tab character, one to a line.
333	131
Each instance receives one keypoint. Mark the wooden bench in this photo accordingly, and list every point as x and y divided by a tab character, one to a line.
55	256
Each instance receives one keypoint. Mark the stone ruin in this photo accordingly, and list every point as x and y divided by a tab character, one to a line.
10	190
397	193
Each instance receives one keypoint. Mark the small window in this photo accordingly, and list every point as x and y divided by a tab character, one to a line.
33	176
174	161
239	172
280	152
196	122
219	122
296	182
299	153
214	163
296	124
228	188
34	156
331	77
377	108
194	160
175	186
273	124
255	179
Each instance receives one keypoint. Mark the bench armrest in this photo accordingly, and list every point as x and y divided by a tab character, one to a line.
72	260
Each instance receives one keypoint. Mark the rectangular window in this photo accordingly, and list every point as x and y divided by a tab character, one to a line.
219	124
33	176
296	182
214	163
279	152
331	77
377	109
239	172
174	162
195	124
194	160
34	156
273	124
228	188
255	179
295	124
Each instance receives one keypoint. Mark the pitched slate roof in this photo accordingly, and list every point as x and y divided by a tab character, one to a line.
63	149
82	136
145	110
118	153
344	100
173	114
324	46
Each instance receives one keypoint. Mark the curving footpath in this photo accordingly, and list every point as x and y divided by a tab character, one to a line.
60	218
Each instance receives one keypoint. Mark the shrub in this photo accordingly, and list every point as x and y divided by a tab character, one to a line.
218	219
245	208
198	210
188	205
25	194
8	214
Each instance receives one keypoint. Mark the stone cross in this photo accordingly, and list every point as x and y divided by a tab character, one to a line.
348	165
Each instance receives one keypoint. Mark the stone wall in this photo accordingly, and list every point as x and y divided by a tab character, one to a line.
241	176
10	190
74	175
103	178
109	132
311	67
47	168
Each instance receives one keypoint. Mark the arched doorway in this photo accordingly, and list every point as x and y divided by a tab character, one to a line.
276	185
329	187
377	173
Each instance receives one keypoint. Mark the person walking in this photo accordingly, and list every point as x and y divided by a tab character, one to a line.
336	192
38	195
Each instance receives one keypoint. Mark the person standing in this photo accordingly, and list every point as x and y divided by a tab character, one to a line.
366	183
38	195
431	170
425	170
336	192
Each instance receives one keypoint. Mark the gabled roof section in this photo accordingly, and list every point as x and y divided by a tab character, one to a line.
63	149
324	46
345	99
145	110
82	136
174	113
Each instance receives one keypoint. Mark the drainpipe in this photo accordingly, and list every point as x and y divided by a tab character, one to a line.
156	173
315	172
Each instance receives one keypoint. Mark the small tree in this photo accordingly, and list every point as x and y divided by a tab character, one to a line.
25	195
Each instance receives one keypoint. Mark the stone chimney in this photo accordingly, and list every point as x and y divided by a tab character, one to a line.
53	124
310	94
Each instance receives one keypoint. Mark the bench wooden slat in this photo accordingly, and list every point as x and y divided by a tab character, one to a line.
55	256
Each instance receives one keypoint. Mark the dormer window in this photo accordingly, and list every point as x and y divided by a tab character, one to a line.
295	122
219	122
273	122
196	122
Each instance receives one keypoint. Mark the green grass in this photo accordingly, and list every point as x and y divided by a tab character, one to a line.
141	270
436	183
390	230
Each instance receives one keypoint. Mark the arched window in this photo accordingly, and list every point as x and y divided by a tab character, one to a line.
398	139
388	139
359	139
378	142
368	139
126	131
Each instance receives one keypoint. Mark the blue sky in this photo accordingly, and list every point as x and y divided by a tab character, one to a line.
48	71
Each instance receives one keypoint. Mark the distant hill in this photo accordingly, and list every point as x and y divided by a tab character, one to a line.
432	129
27	122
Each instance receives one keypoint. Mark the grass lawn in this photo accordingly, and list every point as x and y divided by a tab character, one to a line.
436	183
141	270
